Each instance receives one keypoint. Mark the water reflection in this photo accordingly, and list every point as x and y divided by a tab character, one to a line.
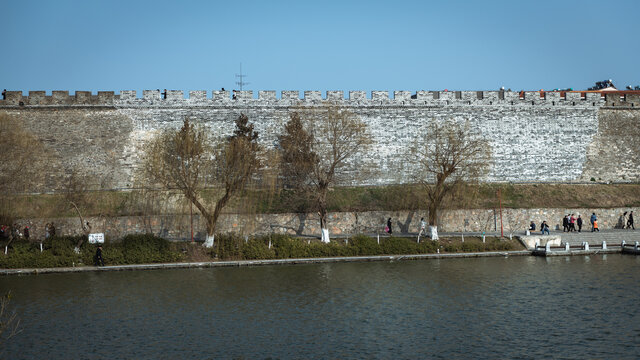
513	307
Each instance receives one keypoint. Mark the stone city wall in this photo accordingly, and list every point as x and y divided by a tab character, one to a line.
535	136
177	227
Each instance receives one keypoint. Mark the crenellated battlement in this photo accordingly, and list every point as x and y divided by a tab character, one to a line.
172	98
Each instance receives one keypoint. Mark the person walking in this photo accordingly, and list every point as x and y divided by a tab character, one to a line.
423	228
97	259
565	223
630	221
579	222
389	226
595	226
593	219
572	223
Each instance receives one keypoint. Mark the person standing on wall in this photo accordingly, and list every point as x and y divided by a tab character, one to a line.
630	221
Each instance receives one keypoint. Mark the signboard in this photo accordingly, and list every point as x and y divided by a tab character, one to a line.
97	238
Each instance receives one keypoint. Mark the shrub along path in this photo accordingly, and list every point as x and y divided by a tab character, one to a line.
148	251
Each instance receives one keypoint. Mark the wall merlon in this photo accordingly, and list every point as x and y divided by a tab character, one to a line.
269	95
37	97
380	95
312	95
290	95
423	95
572	96
221	96
198	95
402	95
244	95
106	97
174	95
151	95
335	95
127	95
357	95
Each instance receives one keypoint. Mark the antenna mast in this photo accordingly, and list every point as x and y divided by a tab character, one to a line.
241	77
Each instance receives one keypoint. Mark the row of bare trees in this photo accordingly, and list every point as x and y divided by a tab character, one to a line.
315	148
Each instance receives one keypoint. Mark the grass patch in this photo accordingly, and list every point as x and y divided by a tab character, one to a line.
342	199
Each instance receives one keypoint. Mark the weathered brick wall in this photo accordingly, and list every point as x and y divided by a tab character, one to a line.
178	226
535	136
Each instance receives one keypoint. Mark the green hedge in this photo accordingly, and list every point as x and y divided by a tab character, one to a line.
59	252
147	248
232	247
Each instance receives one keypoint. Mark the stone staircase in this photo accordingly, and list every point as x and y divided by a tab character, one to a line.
612	236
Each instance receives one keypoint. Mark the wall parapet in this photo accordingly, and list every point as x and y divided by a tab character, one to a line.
173	98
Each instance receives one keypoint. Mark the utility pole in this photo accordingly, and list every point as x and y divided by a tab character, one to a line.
241	77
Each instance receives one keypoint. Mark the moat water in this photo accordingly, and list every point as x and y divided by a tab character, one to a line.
512	307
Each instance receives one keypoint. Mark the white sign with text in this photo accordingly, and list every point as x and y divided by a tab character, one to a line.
97	238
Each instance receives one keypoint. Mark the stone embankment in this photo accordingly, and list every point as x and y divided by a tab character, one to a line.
177	227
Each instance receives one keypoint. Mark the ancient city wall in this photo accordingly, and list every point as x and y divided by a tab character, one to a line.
535	136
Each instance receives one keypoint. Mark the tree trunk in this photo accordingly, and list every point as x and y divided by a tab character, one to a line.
209	241
322	211
434	232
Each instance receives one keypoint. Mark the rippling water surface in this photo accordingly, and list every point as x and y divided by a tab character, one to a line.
516	307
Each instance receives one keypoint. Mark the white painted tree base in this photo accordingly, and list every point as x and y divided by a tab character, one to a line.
208	243
325	235
434	232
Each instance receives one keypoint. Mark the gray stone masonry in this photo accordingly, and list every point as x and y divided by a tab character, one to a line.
534	136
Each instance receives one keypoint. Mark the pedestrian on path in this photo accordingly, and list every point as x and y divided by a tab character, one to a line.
593	219
579	222
572	223
389	226
630	221
595	226
97	259
565	223
423	228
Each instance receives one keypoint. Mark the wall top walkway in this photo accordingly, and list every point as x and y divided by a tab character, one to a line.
173	98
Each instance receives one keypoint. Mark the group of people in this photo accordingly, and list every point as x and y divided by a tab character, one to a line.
13	232
569	223
626	222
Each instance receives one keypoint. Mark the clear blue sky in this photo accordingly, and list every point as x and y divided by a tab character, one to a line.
317	45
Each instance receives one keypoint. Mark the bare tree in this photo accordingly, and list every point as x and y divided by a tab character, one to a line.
75	195
316	147
449	155
515	221
185	160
